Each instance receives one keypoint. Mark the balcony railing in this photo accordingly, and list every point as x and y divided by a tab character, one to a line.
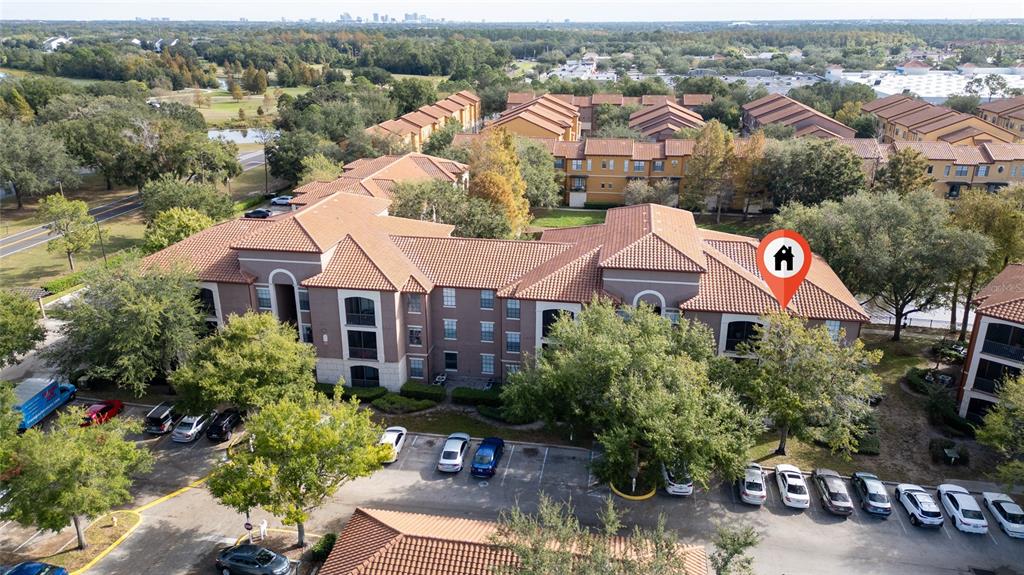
1012	352
360	319
362	353
986	385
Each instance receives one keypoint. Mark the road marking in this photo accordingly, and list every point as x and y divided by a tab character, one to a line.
946	532
543	463
990	536
27	541
172	494
899	519
6	523
590	466
113	546
508	463
415	438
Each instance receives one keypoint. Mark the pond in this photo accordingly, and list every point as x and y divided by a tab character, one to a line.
236	136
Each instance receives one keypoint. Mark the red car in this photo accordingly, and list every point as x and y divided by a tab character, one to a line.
98	413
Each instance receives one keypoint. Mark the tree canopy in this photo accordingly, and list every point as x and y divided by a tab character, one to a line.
168	192
70	224
1003	430
441	202
173	225
33	162
905	171
20	330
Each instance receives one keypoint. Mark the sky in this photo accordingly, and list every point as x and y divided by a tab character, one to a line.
513	11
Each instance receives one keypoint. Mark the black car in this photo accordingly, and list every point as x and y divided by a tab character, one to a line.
832	489
871	492
259	214
251	560
221	427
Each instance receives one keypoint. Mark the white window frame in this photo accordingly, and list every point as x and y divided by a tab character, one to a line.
519	342
834	326
455	329
418	298
483	331
448	295
270	301
518	307
483	363
304	295
408	334
423	368
493	298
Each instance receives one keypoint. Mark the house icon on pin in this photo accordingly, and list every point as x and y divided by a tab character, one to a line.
784	256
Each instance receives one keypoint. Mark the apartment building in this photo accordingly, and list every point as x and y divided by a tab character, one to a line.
956	169
587	104
1007	114
385	299
902	118
662	121
416	127
542	117
996	351
784	111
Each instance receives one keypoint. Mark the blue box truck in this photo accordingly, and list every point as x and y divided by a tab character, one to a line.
36	398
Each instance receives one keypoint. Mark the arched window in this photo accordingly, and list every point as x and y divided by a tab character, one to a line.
738	332
359	311
548	318
364	376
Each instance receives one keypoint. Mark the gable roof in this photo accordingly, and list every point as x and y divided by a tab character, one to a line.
208	253
376	176
1003	297
779	109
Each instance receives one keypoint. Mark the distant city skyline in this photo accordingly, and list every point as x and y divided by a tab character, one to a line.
508	11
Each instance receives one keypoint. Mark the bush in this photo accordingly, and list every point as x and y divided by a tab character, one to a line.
867	444
470	396
364	394
497	413
915	380
423	391
601	205
64	282
396	404
322	548
942	413
937	448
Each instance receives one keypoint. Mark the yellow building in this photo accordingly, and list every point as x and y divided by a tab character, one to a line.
416	127
955	169
1007	114
542	117
902	118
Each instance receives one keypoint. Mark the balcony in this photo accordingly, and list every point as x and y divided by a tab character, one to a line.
1011	352
360	319
986	385
362	353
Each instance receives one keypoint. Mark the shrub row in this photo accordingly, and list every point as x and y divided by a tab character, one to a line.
601	205
915	380
364	394
396	404
68	281
937	448
423	391
941	408
471	396
322	548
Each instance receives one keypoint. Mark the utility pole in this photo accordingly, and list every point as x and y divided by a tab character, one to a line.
103	248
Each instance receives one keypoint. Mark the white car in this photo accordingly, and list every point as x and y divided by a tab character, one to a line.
752	486
1008	514
919	505
453	452
677	481
792	486
189	428
963	509
394	437
281	200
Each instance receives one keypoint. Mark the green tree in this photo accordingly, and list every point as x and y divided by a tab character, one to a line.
1003	430
285	153
74	230
810	171
412	93
130	326
20	329
967	104
168	192
173	225
22	111
441	139
709	170
731	546
236	92
537	166
320	168
69	472
900	251
492	187
301	450
644	387
10	420
804	378
747	171
252	362
440	202
662	192
995	84
32	162
904	172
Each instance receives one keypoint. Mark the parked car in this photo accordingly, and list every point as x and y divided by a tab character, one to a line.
190	428
487	457
221	427
251	560
34	568
101	412
752	486
453	452
677	479
259	214
919	505
792	486
161	419
963	509
1007	513
832	490
36	398
281	200
395	437
871	492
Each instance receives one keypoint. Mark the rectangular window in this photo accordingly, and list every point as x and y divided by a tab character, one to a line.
450	331
451	361
511	368
981	171
263	298
638	166
579	184
486	299
415	335
362	344
930	169
833	328
559	163
414	303
512	341
487	332
512	309
359	311
1013	171
487	363
659	165
303	299
577	165
590	165
448	297
307	334
604	165
416	367
961	171
945	172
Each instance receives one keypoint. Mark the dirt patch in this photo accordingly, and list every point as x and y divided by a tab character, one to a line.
60	548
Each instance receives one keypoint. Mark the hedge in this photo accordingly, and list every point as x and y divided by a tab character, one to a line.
396	404
471	396
322	548
942	413
423	391
68	281
364	394
601	205
937	448
498	414
915	380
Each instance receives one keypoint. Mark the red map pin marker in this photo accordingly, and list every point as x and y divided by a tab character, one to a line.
783	257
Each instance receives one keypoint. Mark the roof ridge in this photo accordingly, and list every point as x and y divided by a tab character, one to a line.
722	258
373	261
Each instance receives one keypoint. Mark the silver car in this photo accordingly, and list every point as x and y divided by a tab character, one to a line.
453	452
190	428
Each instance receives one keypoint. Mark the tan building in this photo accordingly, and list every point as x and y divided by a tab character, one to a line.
1007	114
955	169
416	127
586	104
662	121
902	118
784	111
542	117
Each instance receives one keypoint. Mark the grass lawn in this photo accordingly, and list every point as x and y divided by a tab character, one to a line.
92	191
20	73
250	183
556	218
446	421
61	549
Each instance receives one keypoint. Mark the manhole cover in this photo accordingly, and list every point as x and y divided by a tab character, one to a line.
531	451
483	484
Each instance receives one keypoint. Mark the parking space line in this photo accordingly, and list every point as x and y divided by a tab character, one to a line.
508	463
5	524
415	438
590	466
27	541
545	462
899	518
946	532
992	537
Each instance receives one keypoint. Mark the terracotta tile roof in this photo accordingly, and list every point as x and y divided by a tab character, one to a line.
1003	297
449	105
866	148
654	120
208	253
999	152
969	155
576	280
935	151
779	109
516	98
377	542
434	111
892	106
614	99
419	118
377	176
648	151
608	147
679	147
961	134
351	267
1003	106
696	99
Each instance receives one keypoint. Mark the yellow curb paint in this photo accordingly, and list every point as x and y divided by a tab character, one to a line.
112	546
278	530
172	494
633	497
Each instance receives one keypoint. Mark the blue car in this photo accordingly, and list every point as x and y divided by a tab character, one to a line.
35	569
485	462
